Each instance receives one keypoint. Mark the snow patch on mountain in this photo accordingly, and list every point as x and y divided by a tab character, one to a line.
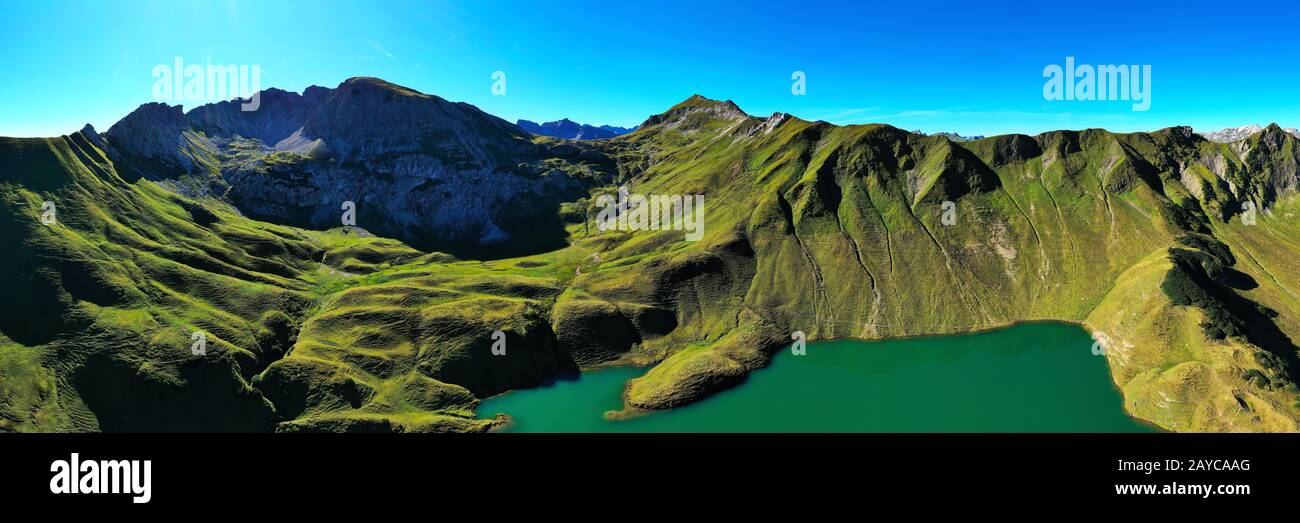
1235	134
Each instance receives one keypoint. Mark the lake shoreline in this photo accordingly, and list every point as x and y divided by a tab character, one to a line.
938	348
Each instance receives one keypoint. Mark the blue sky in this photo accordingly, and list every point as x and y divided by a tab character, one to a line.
968	67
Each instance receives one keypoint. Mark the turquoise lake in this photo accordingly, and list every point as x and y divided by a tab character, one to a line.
1035	377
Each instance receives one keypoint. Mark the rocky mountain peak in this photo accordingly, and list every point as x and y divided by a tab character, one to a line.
772	122
368	115
693	110
1274	137
279	114
91	134
152	115
417	167
1235	134
369	86
153	131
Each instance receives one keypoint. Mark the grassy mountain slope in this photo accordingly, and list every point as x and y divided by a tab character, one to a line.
857	231
845	224
102	304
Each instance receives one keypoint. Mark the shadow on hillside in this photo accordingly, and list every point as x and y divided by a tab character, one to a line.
126	398
533	228
1262	331
1237	279
537	234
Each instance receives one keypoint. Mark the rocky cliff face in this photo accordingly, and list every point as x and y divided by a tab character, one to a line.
438	174
279	115
151	141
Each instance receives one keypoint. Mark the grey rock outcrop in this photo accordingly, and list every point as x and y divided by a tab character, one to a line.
438	174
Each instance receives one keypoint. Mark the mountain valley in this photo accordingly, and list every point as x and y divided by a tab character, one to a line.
1178	253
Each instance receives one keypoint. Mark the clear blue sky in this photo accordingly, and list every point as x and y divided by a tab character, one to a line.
971	67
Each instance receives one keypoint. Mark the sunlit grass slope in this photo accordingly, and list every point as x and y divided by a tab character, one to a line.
102	304
843	235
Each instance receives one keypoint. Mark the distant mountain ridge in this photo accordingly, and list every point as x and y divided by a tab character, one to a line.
953	136
571	130
1234	134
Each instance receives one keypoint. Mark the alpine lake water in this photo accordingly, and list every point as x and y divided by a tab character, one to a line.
1033	377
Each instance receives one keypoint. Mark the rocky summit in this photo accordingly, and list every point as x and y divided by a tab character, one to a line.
1235	134
416	167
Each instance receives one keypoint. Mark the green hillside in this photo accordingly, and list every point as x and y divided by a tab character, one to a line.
835	231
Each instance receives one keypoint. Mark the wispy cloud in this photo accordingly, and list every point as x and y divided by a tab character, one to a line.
879	114
379	48
840	114
973	120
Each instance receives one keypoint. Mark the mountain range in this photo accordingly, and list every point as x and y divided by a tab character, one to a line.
571	130
953	136
1235	134
225	226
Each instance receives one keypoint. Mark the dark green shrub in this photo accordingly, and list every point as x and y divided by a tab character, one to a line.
1189	283
1256	378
